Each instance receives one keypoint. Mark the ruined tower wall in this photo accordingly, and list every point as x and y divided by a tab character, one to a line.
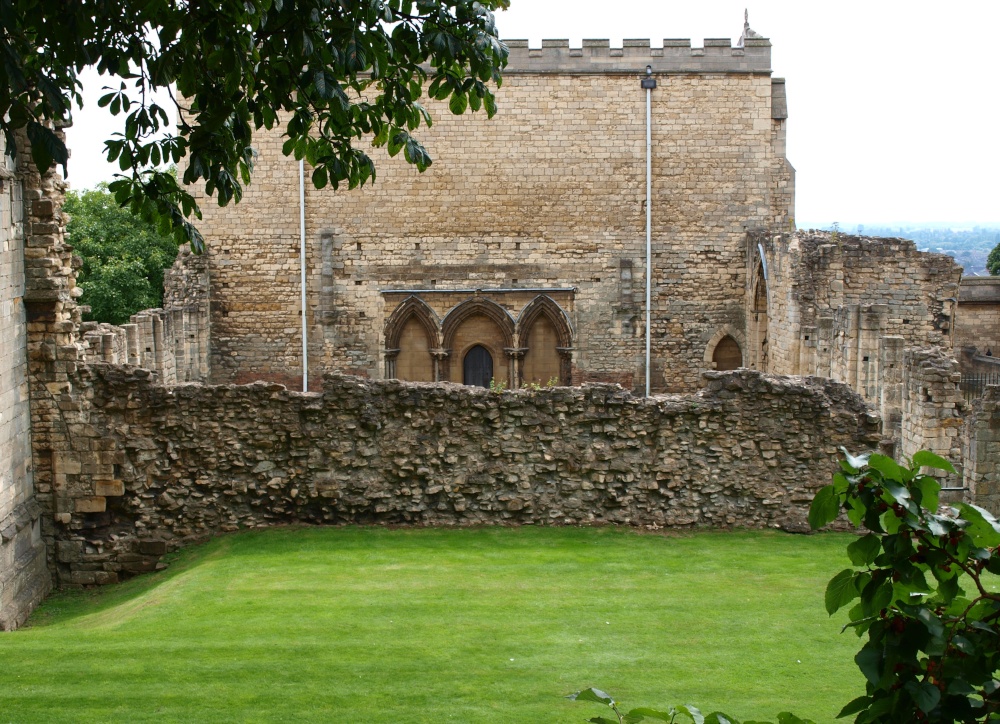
933	407
548	195
835	298
24	577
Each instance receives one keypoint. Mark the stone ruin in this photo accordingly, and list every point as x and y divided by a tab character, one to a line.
772	348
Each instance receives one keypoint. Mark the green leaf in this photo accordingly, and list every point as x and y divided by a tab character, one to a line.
592	694
717	717
855	511
788	718
869	660
840	591
458	103
885	465
930	490
696	716
927	459
825	507
854	706
983	527
925	695
601	720
863	551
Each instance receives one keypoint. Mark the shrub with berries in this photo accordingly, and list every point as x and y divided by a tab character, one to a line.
925	592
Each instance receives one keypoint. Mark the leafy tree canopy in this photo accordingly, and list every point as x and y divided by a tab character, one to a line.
331	71
123	256
993	261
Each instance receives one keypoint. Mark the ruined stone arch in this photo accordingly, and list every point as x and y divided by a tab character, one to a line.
755	352
545	340
478	322
412	339
724	332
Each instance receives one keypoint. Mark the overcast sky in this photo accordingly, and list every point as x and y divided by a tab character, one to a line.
893	104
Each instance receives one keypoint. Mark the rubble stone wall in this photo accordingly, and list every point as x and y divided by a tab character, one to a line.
24	577
186	462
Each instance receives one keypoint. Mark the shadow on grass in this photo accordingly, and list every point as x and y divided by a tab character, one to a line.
66	605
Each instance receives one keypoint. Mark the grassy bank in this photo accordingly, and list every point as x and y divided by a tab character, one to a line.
490	625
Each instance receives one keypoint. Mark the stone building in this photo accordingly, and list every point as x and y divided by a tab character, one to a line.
519	256
24	577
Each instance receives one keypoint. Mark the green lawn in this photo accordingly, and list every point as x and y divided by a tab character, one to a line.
485	625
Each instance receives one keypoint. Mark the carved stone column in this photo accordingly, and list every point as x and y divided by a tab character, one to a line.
441	363
515	360
390	363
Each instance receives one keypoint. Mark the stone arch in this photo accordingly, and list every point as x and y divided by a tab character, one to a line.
722	333
482	322
411	340
545	340
756	351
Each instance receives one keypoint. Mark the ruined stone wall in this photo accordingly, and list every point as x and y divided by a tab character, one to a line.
982	451
173	341
933	407
192	461
549	194
834	297
24	577
977	323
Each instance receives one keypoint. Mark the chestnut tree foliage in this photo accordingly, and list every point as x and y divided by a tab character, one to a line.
331	72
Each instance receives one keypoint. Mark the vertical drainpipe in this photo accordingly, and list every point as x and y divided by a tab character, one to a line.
649	83
302	268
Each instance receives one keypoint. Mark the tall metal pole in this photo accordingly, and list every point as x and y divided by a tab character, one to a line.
302	268
649	83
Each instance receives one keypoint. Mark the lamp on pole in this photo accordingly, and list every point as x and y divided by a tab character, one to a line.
649	83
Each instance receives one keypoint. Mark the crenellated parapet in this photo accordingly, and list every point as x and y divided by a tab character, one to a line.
718	55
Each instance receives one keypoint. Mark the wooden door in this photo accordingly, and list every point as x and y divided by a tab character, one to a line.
478	367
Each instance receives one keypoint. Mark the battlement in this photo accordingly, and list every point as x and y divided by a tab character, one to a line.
718	55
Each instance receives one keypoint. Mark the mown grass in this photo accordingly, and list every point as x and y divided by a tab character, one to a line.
485	625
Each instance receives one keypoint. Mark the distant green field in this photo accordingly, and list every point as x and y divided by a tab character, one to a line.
483	625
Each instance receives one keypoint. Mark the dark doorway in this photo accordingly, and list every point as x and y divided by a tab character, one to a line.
478	367
727	355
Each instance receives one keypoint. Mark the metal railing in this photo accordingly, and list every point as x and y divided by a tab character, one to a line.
974	384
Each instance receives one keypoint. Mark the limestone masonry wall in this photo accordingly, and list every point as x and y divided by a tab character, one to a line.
982	451
834	298
192	461
173	341
549	194
977	328
24	577
933	406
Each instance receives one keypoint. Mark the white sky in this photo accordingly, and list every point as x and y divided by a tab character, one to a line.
893	104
